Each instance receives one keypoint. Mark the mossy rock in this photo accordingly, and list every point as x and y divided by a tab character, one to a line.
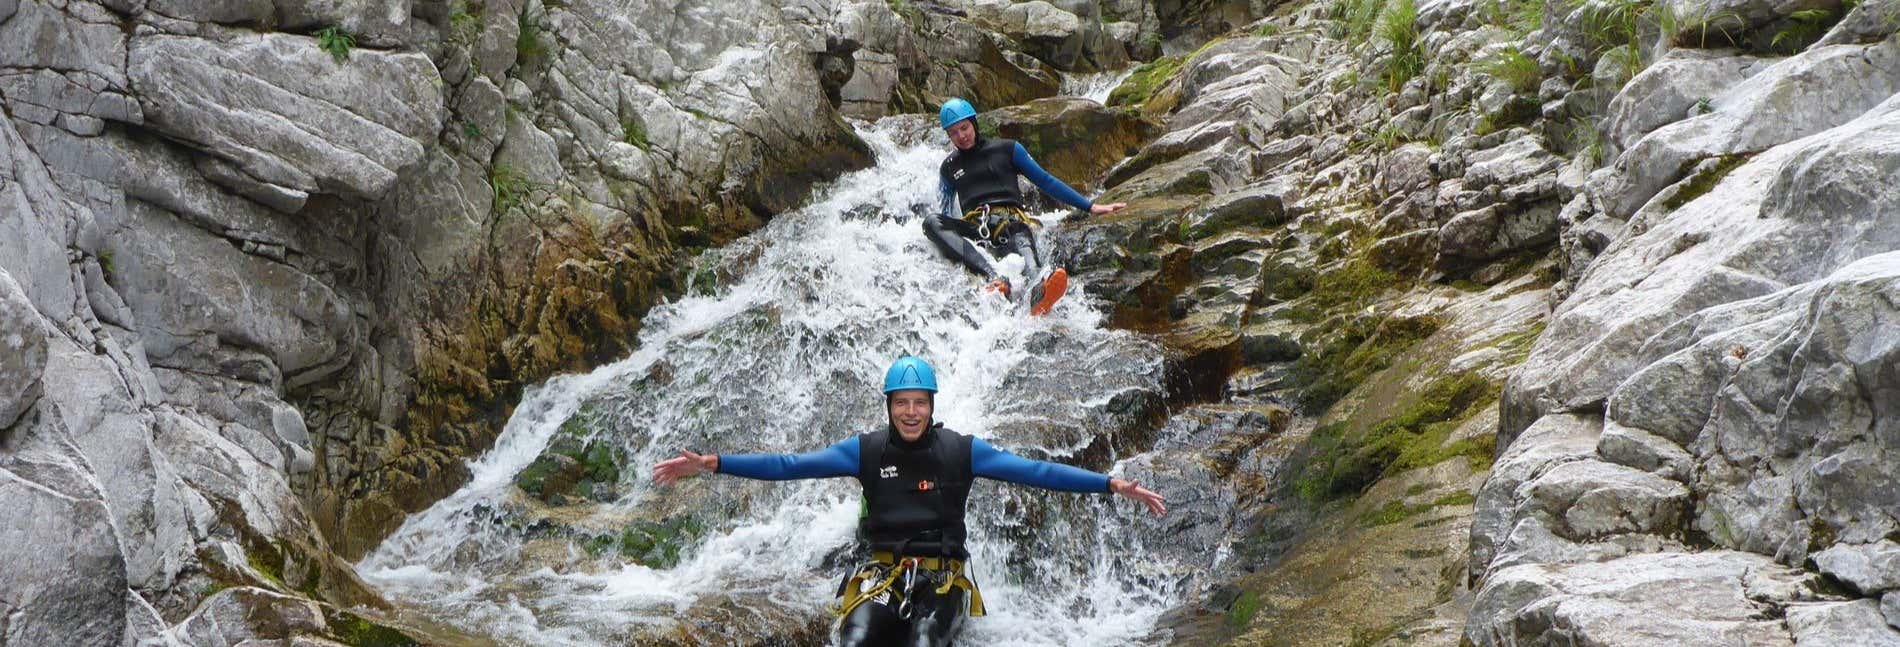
1144	86
357	631
653	544
1076	140
1339	461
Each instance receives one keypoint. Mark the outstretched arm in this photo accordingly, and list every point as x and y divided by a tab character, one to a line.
989	462
1027	166
837	460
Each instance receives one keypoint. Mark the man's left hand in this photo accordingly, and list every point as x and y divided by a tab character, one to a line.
1145	496
1105	209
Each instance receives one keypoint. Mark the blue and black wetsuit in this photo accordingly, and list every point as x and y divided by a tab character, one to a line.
985	175
914	494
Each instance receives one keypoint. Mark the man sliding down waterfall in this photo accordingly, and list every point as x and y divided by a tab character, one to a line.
916	477
981	202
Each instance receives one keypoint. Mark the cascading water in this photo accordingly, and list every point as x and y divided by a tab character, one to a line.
1095	87
778	347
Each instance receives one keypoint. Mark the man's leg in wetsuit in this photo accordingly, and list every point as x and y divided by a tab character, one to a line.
872	624
952	238
936	619
1018	238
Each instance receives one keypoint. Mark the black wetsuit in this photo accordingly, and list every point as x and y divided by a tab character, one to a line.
914	496
985	175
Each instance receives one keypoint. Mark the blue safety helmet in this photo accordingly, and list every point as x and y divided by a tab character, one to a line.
953	111
910	372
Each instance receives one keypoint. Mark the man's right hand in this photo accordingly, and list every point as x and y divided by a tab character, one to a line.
686	464
1105	209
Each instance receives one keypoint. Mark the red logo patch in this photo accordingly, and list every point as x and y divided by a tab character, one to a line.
925	486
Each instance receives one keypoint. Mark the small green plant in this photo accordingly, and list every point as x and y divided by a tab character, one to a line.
1586	141
508	187
471	131
464	24
1390	137
1269	29
528	41
1519	17
1399	27
633	132
1804	27
1513	67
337	42
105	263
1353	20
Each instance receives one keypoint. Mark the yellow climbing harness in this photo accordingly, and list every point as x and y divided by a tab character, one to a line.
855	592
986	231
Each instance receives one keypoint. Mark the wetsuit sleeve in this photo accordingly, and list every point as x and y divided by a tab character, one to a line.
946	199
1048	183
837	460
992	463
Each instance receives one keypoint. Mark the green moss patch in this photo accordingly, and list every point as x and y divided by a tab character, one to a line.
655	545
1349	353
1240	616
1339	463
575	462
1701	183
1142	83
356	631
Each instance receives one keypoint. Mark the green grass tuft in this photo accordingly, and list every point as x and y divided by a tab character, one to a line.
529	42
1354	20
508	187
633	132
1398	25
1514	67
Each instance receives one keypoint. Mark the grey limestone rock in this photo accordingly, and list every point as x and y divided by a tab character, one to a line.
235	616
22	353
1668	90
1871	569
58	525
1551	442
1715	598
1825	624
287	113
1831	85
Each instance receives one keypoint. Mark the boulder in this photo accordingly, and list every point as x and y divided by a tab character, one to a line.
1833	85
1870	568
23	340
1715	598
1667	91
1841	623
289	114
1074	139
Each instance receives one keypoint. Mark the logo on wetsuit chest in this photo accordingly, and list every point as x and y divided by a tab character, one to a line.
957	175
925	486
887	472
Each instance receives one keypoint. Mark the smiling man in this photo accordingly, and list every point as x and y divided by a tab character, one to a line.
980	201
916	477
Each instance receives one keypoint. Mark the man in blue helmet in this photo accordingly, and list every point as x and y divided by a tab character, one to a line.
916	477
980	201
